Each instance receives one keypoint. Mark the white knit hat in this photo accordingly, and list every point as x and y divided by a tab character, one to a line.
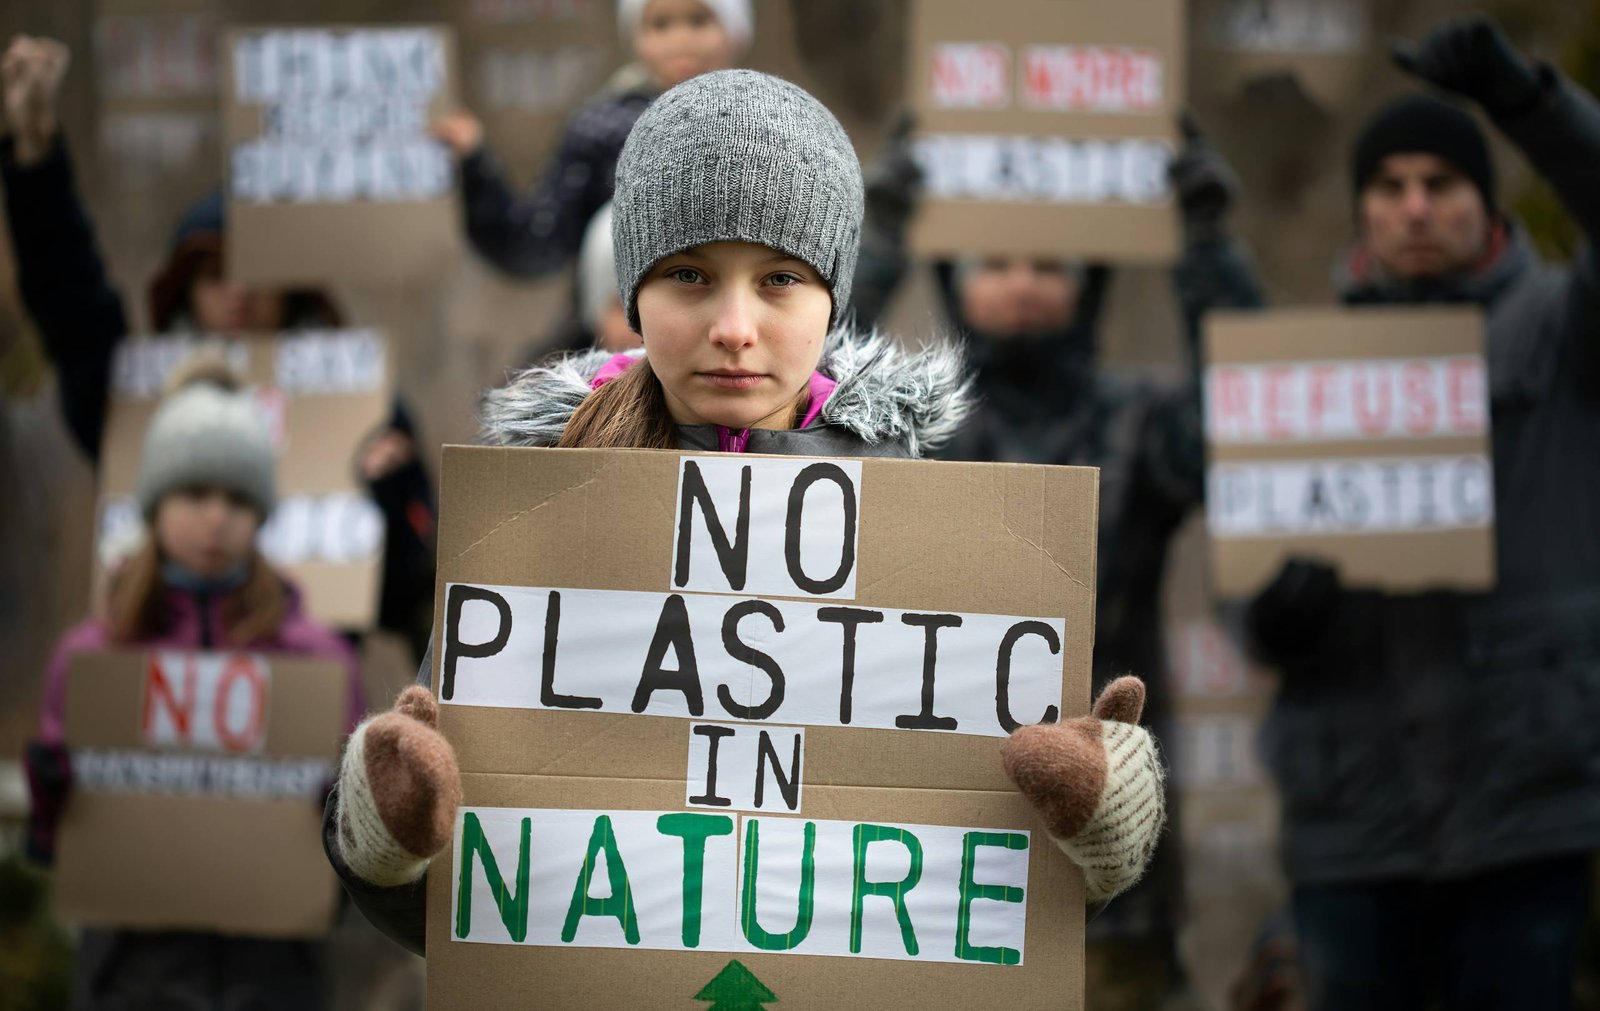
207	433
597	270
736	17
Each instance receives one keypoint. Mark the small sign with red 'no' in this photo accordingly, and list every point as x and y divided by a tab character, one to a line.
205	701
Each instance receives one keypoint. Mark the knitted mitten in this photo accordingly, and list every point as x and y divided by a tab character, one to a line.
1097	783
399	788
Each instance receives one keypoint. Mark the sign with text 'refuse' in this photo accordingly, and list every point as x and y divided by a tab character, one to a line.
197	779
1358	436
716	712
1045	128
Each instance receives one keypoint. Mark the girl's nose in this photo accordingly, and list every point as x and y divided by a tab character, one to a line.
734	325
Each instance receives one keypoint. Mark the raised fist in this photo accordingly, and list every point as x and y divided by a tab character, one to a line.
30	76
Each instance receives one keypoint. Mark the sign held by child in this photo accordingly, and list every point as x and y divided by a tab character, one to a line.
758	716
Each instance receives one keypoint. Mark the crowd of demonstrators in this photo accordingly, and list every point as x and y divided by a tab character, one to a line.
539	232
1030	326
206	482
81	319
747	348
1438	754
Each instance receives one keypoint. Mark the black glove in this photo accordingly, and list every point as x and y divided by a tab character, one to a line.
1473	58
894	181
49	768
1291	614
1203	181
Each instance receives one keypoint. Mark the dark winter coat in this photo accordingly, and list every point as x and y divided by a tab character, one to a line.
1441	735
887	404
1043	399
539	233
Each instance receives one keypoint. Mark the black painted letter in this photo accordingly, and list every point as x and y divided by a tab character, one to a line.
454	648
745	653
1002	671
930	624
791	533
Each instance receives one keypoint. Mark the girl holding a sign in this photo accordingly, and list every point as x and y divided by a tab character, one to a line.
206	483
737	221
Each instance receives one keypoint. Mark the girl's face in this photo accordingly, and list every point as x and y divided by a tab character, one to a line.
208	531
734	331
680	39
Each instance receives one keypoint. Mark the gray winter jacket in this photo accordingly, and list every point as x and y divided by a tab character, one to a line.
1442	735
889	402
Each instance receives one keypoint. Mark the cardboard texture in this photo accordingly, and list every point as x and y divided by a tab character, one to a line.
198	861
1376	424
1045	128
1007	540
323	392
528	64
331	174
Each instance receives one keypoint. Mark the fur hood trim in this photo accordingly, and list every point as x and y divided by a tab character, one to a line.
886	393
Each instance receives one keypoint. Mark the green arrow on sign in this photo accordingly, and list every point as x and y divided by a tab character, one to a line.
735	988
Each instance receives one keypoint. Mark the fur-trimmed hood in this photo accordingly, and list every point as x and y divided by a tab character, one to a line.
886	394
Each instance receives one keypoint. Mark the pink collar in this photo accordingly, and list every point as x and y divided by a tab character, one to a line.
729	440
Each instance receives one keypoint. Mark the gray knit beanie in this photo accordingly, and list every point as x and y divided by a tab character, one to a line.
737	155
207	433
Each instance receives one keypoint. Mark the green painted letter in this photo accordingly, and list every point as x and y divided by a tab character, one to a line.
970	890
619	903
896	890
808	889
513	905
694	829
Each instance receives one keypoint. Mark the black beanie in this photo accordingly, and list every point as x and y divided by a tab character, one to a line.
1417	124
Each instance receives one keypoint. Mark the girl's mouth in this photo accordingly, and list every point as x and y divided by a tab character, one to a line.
729	379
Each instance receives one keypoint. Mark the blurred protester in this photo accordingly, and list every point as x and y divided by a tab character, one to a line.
538	233
1439	754
596	319
206	483
1031	326
80	317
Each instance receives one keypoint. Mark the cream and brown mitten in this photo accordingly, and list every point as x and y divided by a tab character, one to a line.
399	788
1097	783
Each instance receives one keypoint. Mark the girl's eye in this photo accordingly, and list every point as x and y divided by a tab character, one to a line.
688	275
783	280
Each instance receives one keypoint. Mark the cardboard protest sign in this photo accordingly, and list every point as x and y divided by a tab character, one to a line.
196	787
713	712
331	173
1356	436
1320	43
323	392
529	64
1045	128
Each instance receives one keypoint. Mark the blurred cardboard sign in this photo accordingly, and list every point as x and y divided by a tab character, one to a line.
763	722
1045	128
529	64
1322	44
331	173
195	797
1358	436
322	392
